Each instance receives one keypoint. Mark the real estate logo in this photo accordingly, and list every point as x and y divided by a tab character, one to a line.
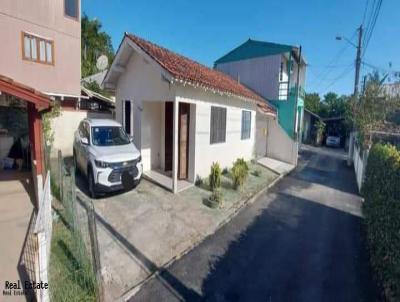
19	288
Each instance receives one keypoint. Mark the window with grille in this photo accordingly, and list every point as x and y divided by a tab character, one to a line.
246	124
217	125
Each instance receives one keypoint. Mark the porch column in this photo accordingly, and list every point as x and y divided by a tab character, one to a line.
175	148
35	138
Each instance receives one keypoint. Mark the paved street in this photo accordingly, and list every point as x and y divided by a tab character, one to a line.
302	241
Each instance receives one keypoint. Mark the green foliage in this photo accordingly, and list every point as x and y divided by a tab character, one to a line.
94	43
381	190
215	177
372	109
312	102
257	173
46	121
240	171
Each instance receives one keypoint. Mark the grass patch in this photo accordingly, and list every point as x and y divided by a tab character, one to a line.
70	275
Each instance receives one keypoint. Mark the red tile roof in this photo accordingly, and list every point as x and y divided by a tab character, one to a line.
185	69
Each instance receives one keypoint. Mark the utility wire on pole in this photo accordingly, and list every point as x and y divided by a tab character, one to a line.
358	61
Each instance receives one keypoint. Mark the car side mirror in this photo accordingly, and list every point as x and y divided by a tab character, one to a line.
84	141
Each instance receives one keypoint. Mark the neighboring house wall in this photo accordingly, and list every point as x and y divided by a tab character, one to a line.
279	145
260	74
44	18
261	135
65	125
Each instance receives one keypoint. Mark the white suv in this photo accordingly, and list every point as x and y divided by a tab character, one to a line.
105	154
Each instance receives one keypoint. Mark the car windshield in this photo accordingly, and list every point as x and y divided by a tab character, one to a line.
109	136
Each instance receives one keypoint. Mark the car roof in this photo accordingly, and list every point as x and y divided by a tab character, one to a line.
102	122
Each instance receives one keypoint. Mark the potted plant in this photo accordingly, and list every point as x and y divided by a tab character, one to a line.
215	199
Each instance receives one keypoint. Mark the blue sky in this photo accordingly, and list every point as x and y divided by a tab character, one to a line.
205	30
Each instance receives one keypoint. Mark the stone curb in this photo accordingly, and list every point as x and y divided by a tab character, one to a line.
132	292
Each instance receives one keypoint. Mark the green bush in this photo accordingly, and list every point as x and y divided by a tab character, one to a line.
215	177
240	171
381	190
257	173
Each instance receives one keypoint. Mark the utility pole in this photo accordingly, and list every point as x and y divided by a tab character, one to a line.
358	60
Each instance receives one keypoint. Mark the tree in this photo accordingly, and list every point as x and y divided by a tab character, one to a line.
333	105
373	110
312	102
94	43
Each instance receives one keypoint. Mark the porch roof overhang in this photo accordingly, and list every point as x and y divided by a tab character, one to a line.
40	100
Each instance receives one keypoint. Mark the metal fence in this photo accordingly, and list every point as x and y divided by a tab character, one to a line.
74	272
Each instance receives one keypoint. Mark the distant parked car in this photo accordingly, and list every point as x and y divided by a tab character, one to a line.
105	154
333	141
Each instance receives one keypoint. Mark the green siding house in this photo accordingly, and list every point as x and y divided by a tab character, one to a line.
276	72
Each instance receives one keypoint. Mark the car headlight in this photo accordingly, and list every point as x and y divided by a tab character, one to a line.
102	164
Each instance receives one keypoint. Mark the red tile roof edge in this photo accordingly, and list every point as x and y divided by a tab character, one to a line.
185	69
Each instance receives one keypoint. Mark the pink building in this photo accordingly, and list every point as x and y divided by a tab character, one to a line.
40	45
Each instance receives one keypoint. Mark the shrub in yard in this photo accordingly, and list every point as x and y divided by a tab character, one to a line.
215	177
381	208
240	171
225	171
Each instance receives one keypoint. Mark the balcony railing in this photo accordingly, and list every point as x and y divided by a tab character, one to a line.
283	91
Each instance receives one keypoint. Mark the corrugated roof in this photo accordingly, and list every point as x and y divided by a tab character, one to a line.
182	68
254	49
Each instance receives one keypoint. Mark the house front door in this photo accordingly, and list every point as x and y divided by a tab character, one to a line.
184	120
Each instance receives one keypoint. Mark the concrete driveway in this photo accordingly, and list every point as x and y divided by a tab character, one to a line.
145	229
303	241
16	226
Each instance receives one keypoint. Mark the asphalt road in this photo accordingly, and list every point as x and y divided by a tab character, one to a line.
302	241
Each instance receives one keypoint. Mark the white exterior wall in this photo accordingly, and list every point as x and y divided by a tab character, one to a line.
65	125
152	135
279	145
203	154
141	83
260	74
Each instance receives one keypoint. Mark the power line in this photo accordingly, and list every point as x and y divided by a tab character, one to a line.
341	76
323	74
371	26
365	12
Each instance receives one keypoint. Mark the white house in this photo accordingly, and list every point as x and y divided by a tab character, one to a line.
182	115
